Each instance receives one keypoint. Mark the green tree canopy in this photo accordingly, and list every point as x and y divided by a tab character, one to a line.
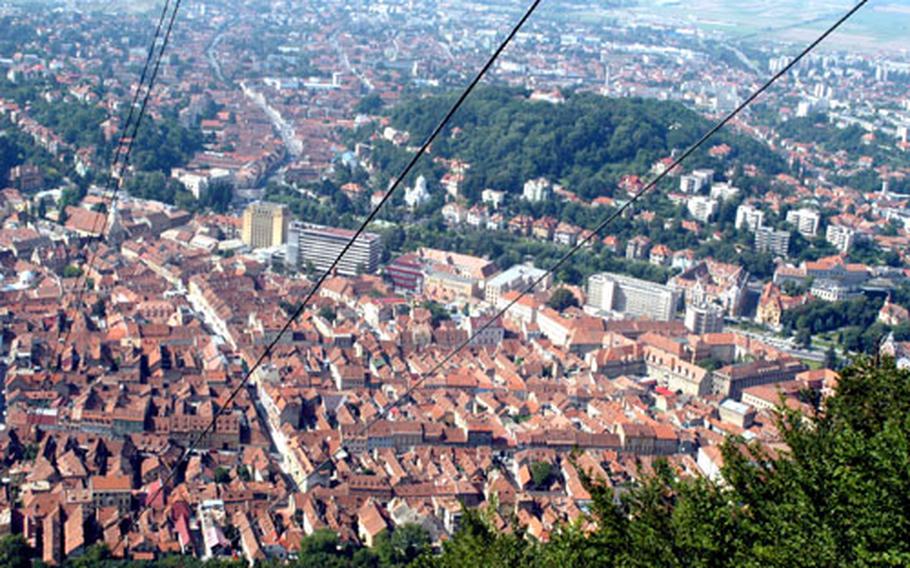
562	299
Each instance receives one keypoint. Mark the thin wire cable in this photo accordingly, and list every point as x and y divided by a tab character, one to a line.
331	269
114	186
602	225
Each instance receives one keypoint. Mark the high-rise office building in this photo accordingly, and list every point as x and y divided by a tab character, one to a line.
265	225
320	245
630	296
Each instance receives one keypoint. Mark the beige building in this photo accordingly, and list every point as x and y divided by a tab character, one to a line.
265	225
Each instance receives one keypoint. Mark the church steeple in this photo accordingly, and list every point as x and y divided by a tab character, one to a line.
114	231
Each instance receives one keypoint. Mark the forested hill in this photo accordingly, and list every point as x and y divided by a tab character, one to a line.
587	143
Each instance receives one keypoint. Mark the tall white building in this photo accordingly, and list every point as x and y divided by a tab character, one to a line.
769	240
695	181
702	208
704	318
749	217
805	220
723	191
841	236
320	246
631	296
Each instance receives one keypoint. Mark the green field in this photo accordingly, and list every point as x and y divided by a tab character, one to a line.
879	26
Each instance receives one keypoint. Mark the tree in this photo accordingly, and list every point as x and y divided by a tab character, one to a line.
402	546
222	475
542	474
562	299
837	497
327	313
218	196
438	312
830	358
15	552
72	271
324	548
370	104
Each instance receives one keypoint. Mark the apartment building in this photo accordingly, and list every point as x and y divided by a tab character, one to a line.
769	240
749	217
805	220
518	277
320	245
631	297
841	236
702	208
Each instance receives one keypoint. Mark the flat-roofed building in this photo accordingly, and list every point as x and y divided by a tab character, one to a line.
265	225
633	297
320	246
518	277
769	240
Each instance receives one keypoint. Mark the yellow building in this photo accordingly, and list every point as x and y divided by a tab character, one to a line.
265	225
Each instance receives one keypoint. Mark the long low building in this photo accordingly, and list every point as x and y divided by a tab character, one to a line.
732	380
320	246
631	297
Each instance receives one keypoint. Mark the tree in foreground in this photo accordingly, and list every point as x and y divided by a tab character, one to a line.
838	495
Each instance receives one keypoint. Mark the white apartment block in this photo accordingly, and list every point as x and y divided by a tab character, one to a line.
724	191
805	220
320	246
842	237
702	208
695	181
749	217
631	297
769	240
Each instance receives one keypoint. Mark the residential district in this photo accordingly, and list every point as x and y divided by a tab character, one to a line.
128	323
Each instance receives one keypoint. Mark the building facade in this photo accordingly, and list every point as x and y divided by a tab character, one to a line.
632	297
265	225
320	246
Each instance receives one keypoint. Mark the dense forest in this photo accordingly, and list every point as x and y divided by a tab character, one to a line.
587	143
838	496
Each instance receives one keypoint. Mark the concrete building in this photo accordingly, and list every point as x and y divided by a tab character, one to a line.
704	318
702	208
265	225
320	246
518	277
749	217
842	237
631	297
805	220
696	181
724	191
769	240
